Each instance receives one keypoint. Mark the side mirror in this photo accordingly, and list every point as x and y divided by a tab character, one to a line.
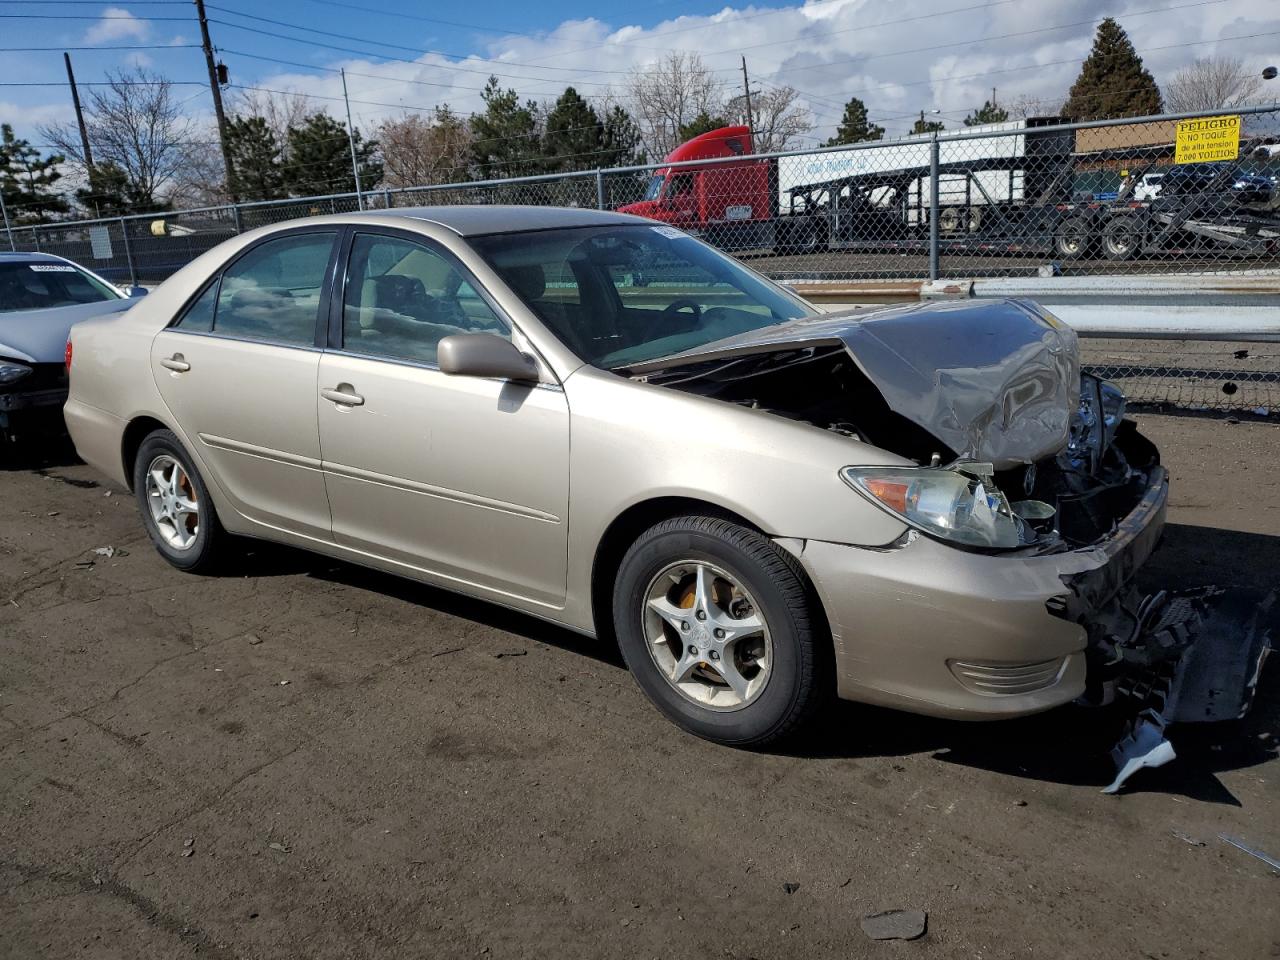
135	292
485	355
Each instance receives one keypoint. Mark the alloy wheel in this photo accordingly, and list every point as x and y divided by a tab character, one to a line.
174	504
707	635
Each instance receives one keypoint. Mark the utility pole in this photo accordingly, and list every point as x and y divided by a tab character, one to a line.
217	99
351	139
84	132
746	92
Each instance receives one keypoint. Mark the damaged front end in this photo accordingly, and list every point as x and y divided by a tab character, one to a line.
1014	452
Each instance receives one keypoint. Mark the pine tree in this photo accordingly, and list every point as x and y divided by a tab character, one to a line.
25	179
506	138
854	125
621	140
573	137
108	193
319	159
927	126
989	112
255	159
1112	82
702	123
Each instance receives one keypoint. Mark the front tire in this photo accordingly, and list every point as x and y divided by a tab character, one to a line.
175	504
718	627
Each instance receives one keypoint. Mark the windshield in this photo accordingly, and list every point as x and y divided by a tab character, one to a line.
40	285
654	189
621	295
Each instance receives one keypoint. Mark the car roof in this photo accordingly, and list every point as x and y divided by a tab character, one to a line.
474	221
26	256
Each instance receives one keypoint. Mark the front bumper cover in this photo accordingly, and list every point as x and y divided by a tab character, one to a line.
928	628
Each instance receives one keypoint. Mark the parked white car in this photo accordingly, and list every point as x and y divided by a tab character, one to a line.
1148	186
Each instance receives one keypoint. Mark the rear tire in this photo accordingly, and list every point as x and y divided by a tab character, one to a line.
757	685
175	504
1122	238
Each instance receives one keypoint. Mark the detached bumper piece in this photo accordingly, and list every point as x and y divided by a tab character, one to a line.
1188	657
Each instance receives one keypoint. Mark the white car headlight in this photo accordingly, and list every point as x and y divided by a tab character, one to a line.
12	372
949	504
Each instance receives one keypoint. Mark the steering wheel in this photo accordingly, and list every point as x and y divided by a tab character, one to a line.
660	326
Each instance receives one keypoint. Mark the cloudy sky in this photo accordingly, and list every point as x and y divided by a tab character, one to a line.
899	56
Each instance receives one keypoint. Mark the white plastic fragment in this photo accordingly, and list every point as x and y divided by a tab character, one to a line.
1145	747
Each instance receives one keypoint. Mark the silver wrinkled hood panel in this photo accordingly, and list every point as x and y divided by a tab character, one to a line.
40	336
995	380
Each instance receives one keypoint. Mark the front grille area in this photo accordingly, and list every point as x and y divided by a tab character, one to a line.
1004	679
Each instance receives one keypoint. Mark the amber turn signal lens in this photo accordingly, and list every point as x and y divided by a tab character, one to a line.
892	495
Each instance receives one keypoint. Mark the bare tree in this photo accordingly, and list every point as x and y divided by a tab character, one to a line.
281	110
200	181
417	151
668	95
134	124
777	118
1211	83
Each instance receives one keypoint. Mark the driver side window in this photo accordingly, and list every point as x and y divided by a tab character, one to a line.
402	298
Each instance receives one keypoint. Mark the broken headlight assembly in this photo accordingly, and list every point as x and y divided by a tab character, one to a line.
12	372
959	504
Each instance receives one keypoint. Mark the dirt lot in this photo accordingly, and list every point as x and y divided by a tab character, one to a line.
315	761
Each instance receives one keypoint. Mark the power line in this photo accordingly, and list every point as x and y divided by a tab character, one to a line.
396	46
383	56
141	46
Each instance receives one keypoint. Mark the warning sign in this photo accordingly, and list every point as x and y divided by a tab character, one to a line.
1208	138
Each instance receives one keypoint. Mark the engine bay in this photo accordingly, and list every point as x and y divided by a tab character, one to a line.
1072	499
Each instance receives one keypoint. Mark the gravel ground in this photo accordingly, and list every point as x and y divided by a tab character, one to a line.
311	760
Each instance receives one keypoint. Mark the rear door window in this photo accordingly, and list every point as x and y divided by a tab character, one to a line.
274	291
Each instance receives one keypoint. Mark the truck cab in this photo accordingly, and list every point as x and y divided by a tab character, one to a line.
732	204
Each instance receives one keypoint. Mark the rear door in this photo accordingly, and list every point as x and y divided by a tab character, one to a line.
238	372
463	477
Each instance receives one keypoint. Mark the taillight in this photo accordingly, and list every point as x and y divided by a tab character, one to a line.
66	357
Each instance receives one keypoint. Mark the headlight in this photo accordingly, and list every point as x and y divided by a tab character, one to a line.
12	372
963	507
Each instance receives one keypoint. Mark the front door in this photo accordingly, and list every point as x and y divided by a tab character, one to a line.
238	371
461	477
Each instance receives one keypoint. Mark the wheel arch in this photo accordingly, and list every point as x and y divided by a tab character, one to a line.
626	528
139	429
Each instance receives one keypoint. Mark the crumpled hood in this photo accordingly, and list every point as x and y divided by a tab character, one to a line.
40	336
995	380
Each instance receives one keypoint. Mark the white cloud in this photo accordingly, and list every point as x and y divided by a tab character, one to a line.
899	56
117	24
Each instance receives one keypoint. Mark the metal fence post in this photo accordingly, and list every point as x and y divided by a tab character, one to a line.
128	253
599	189
7	229
35	238
386	198
235	218
933	206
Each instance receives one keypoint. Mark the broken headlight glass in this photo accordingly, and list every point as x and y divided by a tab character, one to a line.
961	504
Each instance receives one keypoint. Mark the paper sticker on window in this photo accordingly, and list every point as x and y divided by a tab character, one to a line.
52	268
671	233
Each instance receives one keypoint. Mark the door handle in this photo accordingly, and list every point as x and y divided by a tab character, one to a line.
176	363
346	398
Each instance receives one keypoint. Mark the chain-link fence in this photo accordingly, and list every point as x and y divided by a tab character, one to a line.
1241	376
1018	198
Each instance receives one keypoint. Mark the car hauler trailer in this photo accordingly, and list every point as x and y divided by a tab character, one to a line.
1009	191
995	188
